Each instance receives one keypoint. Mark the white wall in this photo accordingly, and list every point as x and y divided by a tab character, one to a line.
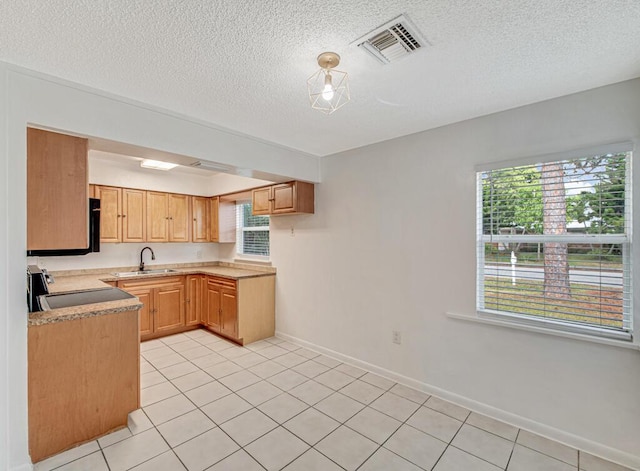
4	273
31	98
392	247
128	255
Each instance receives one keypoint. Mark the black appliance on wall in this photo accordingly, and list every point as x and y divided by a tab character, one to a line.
94	236
37	285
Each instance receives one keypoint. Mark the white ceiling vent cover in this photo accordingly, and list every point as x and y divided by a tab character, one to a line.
393	41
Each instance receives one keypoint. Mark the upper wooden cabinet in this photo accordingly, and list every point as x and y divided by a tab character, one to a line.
285	198
123	213
200	212
167	217
179	218
57	191
157	217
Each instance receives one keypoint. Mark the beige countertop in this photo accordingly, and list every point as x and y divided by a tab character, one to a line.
83	280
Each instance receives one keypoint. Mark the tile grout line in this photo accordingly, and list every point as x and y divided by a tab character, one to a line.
307	406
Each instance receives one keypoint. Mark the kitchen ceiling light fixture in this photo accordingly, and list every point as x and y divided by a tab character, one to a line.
328	88
157	164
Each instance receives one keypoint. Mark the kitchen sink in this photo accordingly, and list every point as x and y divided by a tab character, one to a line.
125	274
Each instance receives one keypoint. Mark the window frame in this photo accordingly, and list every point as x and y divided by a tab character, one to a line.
522	320
240	231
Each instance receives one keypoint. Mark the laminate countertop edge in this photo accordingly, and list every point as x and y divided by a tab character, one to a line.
84	280
81	312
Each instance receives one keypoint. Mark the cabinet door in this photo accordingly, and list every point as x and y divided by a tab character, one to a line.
214	203
157	217
284	198
145	316
194	298
261	201
169	307
134	227
213	306
57	191
110	213
229	312
200	214
179	218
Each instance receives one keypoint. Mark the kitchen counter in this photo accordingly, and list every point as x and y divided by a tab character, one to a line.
82	280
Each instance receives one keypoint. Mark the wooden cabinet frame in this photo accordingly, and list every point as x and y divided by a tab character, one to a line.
164	304
242	310
285	198
122	214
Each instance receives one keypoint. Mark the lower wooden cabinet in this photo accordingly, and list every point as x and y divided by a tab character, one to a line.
222	306
242	310
163	300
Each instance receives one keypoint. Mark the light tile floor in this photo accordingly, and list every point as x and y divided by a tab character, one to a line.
209	404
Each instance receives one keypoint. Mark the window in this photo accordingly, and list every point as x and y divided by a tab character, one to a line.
554	244
252	234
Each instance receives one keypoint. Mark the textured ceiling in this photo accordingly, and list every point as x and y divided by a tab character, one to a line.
242	64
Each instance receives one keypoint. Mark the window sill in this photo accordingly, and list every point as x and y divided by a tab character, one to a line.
620	343
255	259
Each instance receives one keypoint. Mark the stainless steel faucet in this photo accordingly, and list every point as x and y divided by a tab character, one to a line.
153	257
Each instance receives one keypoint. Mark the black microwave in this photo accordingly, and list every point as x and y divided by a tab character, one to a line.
94	236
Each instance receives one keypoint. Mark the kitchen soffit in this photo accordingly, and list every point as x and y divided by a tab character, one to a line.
207	59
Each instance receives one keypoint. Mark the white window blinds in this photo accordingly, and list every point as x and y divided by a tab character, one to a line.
554	243
252	232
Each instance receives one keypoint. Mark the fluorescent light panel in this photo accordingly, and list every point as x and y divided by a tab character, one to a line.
157	164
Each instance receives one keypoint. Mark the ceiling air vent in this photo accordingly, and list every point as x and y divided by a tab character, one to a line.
393	41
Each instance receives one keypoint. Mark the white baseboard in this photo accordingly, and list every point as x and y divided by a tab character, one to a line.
574	441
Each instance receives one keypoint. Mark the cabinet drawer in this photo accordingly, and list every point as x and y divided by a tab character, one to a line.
156	281
221	282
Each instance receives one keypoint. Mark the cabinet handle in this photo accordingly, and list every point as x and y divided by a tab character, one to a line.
167	218
188	300
124	215
119	215
171	218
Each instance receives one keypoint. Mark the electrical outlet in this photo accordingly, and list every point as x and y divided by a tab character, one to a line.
396	337
199	254
293	232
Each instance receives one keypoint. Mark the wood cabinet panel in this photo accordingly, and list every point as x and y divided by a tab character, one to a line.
110	213
157	217
57	191
194	299
169	307
200	213
146	318
213	306
134	208
229	312
261	201
178	218
83	380
284	197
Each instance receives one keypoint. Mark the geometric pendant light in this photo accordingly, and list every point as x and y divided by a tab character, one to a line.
328	88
